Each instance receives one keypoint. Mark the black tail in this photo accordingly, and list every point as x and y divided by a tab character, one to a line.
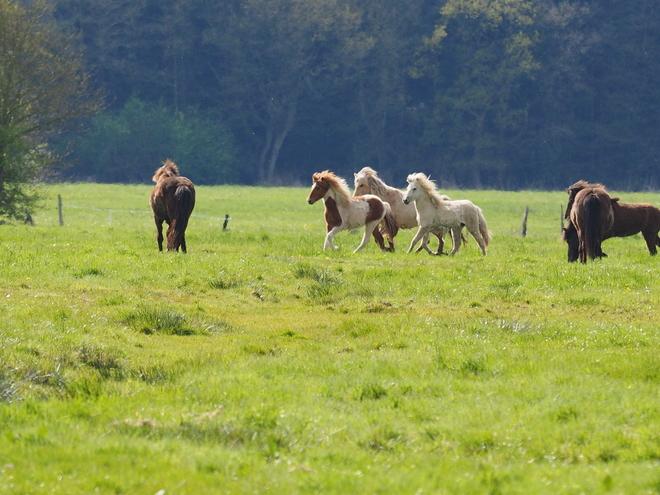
593	229
185	204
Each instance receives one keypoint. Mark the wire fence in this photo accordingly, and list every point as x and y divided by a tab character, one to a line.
60	206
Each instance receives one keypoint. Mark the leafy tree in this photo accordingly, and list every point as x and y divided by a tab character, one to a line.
278	55
478	57
127	145
44	86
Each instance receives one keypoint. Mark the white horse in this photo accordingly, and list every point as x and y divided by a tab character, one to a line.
435	213
367	182
345	212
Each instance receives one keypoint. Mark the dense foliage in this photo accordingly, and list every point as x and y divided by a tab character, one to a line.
43	88
490	93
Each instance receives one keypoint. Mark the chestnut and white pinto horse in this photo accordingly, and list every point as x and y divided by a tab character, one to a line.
367	182
345	212
435	214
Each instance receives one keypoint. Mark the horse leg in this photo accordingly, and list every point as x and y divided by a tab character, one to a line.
369	229
171	241
183	243
159	232
441	242
456	239
424	244
329	244
477	236
378	237
419	235
651	239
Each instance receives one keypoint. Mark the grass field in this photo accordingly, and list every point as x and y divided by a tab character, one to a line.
258	363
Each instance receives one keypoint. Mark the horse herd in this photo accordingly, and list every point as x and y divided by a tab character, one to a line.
592	214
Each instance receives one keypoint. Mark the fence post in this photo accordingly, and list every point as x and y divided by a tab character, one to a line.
59	209
523	228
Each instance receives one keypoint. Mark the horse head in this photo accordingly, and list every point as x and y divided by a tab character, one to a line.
414	188
169	169
364	180
320	186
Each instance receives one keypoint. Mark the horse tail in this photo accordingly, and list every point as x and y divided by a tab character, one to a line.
185	202
389	222
483	228
592	236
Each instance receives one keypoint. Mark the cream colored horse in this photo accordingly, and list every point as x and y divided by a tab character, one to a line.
367	182
435	213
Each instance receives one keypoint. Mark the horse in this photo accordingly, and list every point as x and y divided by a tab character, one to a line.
629	219
342	211
172	201
435	213
366	181
592	215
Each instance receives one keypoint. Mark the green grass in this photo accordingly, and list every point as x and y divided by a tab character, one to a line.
260	363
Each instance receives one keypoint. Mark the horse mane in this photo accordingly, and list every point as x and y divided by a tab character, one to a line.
169	169
428	186
378	187
338	184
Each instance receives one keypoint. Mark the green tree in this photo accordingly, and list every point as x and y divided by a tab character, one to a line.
478	56
278	55
43	87
127	145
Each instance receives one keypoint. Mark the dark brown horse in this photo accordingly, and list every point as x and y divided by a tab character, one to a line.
172	201
592	215
629	219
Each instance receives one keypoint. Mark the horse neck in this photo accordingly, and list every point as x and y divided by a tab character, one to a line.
341	197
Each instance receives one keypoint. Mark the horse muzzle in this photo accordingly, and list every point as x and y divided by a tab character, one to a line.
406	201
310	202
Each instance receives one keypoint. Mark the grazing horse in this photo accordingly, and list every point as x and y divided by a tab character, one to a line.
435	213
345	212
367	182
172	201
592	215
629	219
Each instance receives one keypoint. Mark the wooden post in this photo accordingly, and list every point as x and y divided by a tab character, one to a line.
224	225
523	228
59	209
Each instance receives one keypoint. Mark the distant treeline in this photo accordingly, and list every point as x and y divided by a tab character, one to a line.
477	93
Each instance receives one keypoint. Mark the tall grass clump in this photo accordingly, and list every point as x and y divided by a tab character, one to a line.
161	320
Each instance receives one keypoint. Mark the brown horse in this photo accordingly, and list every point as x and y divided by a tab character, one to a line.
629	219
172	201
345	212
592	215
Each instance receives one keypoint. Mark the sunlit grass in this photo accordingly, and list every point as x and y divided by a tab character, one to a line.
258	362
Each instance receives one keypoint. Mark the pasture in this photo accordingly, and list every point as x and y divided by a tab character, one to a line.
259	363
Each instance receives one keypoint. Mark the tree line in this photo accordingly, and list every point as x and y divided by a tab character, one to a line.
477	93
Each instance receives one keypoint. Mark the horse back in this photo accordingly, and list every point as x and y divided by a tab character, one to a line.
632	218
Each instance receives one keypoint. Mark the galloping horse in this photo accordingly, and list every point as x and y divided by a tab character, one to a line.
629	219
592	215
367	182
435	213
172	201
345	212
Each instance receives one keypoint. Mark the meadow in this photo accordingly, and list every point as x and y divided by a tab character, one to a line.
258	363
